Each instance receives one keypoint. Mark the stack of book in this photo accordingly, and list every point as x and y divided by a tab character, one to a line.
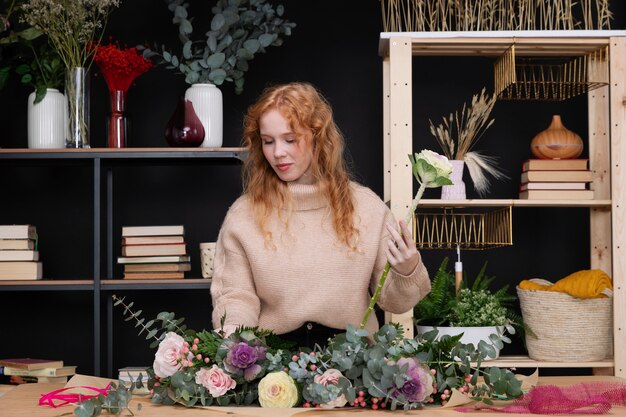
150	252
556	179
19	258
38	370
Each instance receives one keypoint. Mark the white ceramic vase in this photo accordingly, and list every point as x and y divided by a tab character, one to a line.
207	103
47	120
456	191
471	335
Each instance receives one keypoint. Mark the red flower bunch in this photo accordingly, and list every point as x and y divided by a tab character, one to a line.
120	66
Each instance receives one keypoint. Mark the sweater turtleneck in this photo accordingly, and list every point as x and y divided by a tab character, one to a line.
307	196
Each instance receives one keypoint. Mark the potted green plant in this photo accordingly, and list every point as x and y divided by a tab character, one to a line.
239	30
473	311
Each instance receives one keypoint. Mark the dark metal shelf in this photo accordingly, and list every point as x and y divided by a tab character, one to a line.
155	284
124	153
47	285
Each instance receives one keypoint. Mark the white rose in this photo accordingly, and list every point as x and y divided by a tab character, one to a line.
168	356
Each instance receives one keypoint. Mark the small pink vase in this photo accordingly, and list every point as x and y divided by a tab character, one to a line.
456	191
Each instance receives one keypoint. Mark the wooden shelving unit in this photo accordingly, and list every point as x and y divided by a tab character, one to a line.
607	154
103	163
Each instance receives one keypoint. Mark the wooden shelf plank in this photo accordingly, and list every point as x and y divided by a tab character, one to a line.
525	362
438	203
552	43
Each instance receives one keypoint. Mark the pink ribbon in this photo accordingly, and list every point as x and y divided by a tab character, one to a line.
63	399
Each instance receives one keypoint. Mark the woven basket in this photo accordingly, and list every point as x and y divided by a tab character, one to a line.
566	328
207	254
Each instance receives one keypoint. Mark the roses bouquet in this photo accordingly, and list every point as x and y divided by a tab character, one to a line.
254	366
384	370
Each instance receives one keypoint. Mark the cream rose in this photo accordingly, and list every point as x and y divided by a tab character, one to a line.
443	167
168	356
215	380
277	390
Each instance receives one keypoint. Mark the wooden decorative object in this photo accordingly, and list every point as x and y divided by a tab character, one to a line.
556	142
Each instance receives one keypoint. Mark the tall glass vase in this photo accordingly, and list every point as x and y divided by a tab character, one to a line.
77	91
118	121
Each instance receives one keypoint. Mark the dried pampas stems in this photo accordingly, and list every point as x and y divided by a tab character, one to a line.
458	133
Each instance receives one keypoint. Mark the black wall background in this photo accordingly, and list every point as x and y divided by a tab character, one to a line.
334	46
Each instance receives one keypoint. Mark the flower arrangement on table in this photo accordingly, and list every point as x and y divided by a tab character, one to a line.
119	67
384	370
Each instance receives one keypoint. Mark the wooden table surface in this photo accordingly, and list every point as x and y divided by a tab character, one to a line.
21	401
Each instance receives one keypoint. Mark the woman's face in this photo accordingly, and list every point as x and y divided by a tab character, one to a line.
288	153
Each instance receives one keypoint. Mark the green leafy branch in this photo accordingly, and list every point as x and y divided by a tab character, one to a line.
116	401
154	330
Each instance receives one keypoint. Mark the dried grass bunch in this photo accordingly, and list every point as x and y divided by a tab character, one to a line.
490	15
458	133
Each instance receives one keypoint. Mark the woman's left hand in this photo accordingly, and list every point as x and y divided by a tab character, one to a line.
401	250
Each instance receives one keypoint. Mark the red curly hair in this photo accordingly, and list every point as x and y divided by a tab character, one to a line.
310	116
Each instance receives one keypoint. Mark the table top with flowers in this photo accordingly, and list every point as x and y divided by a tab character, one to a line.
22	401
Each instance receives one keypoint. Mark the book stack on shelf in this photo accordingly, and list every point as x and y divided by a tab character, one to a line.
19	257
154	252
38	370
556	179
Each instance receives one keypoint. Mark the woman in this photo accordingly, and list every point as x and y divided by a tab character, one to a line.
302	249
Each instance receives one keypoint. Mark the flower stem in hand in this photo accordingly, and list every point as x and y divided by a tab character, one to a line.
383	276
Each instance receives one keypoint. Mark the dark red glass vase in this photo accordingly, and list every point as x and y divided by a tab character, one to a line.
184	128
118	124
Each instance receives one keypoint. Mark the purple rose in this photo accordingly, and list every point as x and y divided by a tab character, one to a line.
418	385
242	356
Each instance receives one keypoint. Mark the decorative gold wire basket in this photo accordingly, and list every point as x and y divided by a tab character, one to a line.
549	79
449	228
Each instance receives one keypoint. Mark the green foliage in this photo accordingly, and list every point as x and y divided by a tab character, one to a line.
154	329
115	402
476	305
44	71
240	29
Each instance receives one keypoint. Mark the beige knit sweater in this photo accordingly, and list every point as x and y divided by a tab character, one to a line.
309	276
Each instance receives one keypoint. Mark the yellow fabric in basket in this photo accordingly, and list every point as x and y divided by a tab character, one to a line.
582	284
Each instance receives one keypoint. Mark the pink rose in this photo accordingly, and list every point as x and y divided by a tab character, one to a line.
168	356
330	376
215	380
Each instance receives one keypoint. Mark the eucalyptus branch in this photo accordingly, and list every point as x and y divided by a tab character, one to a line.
168	323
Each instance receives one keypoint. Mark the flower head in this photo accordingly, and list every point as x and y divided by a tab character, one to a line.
171	351
245	359
331	377
418	383
278	390
120	66
215	380
431	169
